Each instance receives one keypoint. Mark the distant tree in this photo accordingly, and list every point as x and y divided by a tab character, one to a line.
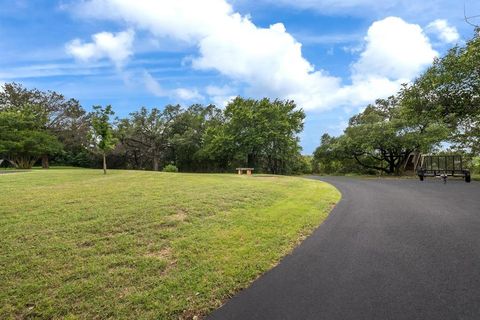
101	133
385	135
22	141
258	133
61	117
149	132
188	133
302	165
443	104
328	157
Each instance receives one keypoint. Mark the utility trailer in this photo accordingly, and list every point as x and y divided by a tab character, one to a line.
443	167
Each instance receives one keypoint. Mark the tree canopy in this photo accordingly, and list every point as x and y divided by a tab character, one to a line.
23	140
261	134
441	106
62	117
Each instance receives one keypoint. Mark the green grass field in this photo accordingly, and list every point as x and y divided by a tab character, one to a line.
77	244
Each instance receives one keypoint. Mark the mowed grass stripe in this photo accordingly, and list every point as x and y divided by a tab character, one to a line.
145	245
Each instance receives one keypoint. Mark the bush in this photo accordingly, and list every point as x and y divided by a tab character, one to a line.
170	168
302	165
475	165
74	158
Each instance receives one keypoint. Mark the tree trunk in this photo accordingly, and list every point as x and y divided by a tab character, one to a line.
24	162
155	162
369	167
251	159
391	166
104	163
45	164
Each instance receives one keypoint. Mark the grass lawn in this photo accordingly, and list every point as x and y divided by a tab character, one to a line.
144	245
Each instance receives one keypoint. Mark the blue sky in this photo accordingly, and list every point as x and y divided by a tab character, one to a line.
331	56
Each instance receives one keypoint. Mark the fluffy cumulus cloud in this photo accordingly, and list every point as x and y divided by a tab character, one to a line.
268	61
394	49
395	52
445	32
116	47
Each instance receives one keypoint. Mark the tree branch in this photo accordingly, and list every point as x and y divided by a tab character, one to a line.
368	166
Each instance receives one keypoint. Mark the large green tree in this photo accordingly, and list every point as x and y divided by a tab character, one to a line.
187	137
61	117
148	132
22	140
442	105
258	133
384	135
449	91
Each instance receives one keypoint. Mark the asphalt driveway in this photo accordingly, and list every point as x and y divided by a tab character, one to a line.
391	249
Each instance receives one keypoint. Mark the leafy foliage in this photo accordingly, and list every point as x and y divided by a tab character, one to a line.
148	132
258	133
442	105
22	140
101	134
170	168
383	133
61	117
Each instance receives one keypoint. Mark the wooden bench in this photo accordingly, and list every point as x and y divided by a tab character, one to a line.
247	170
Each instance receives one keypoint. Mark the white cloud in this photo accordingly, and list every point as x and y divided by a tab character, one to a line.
323	39
116	47
395	52
394	49
269	61
445	32
186	20
220	96
183	94
153	86
366	88
45	70
187	94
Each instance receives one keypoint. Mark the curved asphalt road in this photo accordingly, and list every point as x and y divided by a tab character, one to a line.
391	249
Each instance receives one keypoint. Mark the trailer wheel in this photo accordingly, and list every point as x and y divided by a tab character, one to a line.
467	178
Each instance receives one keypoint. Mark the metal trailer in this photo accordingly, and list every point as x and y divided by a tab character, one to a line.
442	166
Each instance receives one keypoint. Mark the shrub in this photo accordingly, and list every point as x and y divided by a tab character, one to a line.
170	168
475	165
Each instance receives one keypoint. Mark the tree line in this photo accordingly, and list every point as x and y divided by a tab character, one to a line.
44	127
438	112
